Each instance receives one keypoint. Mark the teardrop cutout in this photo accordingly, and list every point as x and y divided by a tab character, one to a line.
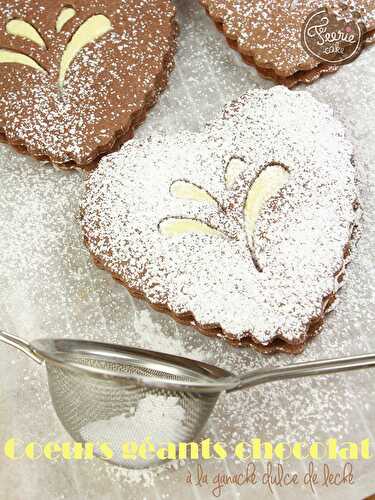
174	226
188	191
23	29
8	56
234	169
65	15
93	28
266	185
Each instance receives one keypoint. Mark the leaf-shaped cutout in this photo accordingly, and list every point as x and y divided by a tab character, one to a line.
65	15
174	226
23	29
233	170
8	56
267	184
189	191
93	28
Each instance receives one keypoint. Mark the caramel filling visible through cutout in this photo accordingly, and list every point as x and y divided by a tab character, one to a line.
174	226
65	15
90	30
234	168
18	27
266	185
8	56
188	191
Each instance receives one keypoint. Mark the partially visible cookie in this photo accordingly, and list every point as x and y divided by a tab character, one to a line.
243	230
77	77
267	34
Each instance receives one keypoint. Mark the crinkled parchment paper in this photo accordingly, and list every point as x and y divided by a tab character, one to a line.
49	287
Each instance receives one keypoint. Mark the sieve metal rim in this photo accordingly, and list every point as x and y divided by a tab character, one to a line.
209	379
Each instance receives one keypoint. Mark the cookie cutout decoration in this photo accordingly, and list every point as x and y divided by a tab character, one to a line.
267	34
243	230
77	77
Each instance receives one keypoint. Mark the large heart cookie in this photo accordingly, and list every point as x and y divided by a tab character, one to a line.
268	34
76	77
242	230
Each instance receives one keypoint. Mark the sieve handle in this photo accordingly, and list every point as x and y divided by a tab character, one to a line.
310	368
19	344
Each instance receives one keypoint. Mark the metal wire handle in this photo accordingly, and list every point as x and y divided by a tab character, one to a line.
305	369
19	344
256	377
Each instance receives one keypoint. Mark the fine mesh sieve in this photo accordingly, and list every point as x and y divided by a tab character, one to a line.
105	393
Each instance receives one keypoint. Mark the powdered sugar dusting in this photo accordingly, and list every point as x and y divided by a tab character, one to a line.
156	418
50	288
299	237
270	32
109	85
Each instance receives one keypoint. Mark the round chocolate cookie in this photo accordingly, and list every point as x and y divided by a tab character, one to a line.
76	77
243	230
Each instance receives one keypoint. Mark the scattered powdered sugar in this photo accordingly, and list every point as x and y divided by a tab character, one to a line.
147	329
49	288
256	24
111	80
299	238
157	418
145	478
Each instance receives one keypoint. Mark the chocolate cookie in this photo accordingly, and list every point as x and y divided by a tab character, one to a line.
76	77
243	230
267	34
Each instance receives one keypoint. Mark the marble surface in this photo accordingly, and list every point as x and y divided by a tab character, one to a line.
49	288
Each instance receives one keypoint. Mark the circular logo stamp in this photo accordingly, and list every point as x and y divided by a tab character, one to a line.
332	38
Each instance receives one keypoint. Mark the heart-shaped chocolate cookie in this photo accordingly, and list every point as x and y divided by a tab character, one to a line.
76	77
268	34
242	230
